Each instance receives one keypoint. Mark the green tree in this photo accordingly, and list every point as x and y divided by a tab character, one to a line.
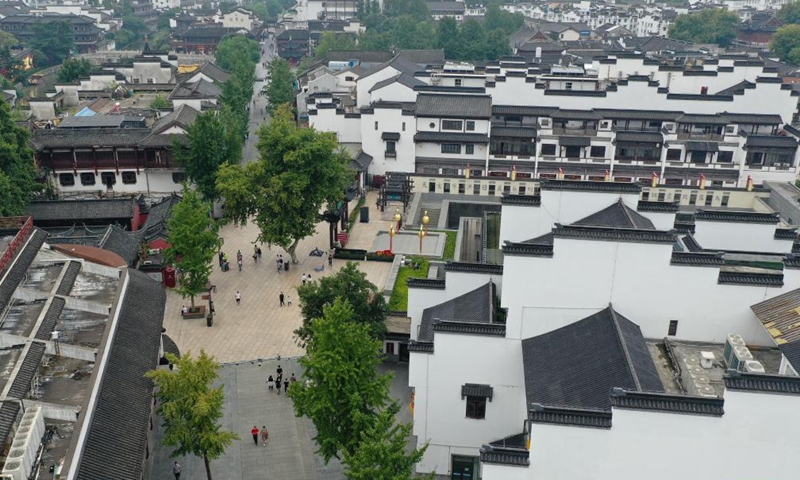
280	88
299	171
707	26
415	8
496	45
473	40
8	40
235	51
194	240
208	146
160	103
191	409
350	284
333	41
54	39
10	67
73	69
18	183
381	453
786	44
133	30
790	13
447	37
496	18
344	393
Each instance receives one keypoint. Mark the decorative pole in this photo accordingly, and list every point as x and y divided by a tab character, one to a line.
391	237
421	236
425	220
397	219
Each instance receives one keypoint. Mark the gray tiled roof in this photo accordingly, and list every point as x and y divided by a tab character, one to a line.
199	89
29	367
733	216
94	137
763	383
401	78
617	215
122	242
702	146
68	280
707	259
50	318
456	106
792	353
660	402
578	365
751	278
765	141
614	234
477	306
514	132
505	456
573	185
16	273
611	114
117	434
753	118
477	390
183	116
523	110
156	223
581	417
9	411
71	210
699	119
361	161
474	268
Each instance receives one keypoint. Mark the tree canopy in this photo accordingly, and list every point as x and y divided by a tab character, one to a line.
707	26
191	409
280	89
789	13
345	392
18	183
210	142
236	51
351	284
8	40
194	240
72	69
786	44
299	171
54	40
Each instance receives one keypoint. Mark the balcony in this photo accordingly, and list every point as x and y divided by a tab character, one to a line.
592	132
714	137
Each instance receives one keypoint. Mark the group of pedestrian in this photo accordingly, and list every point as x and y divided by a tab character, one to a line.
275	383
223	261
306	278
279	262
256	253
285	300
263	433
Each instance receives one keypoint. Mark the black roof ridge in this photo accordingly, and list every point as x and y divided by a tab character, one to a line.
468	267
527	249
420	347
665	402
791	261
579	185
736	216
505	455
786	233
703	259
449	326
581	417
431	283
758	279
532	200
765	383
68	280
621	339
645	206
615	234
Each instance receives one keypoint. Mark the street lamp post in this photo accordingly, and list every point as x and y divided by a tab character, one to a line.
421	236
391	237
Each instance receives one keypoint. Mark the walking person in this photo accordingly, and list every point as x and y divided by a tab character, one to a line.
270	383
239	261
258	252
280	297
176	470
286	385
330	260
303	279
278	386
220	256
238	297
264	435
308	278
288	301
254	432
280	373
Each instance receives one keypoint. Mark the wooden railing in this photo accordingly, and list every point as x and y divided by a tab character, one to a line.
25	225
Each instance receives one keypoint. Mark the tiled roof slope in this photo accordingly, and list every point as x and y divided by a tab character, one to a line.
17	272
50	318
117	434
476	306
27	370
576	366
617	215
69	278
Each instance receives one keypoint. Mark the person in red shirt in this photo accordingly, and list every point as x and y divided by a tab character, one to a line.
254	432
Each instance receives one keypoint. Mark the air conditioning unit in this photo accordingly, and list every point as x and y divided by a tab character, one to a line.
733	340
707	391
754	366
707	359
14	469
740	356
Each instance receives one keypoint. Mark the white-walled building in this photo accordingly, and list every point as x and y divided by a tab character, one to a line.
240	19
627	116
599	342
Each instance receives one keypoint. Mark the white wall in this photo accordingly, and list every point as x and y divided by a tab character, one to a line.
755	438
394	92
748	237
194	103
439	411
520	223
581	278
147	181
388	120
661	220
365	84
348	130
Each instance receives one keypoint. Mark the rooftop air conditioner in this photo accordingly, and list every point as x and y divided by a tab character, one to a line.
707	359
754	366
732	340
740	356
